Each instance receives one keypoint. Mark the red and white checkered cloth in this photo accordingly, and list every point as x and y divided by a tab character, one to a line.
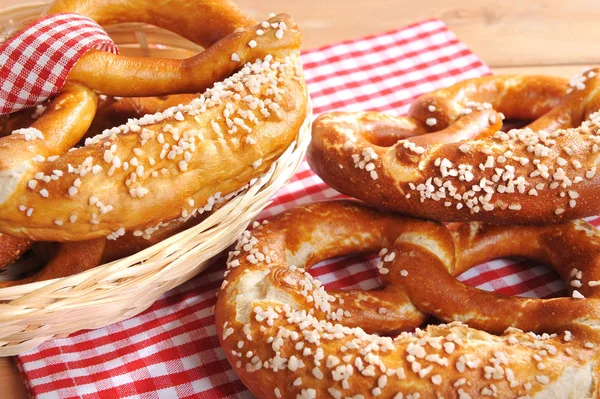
172	349
35	62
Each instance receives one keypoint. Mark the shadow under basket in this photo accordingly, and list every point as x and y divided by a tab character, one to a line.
33	313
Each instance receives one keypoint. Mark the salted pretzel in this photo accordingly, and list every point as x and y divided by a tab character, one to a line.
470	169
286	336
176	161
110	112
209	23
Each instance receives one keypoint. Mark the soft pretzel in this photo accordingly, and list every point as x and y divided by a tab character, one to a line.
175	161
110	112
209	23
470	170
201	21
287	337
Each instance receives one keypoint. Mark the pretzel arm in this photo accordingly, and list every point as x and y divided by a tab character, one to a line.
478	125
308	236
18	120
516	96
440	294
65	121
202	21
129	76
384	130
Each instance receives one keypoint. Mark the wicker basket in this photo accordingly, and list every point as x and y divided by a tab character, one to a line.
33	313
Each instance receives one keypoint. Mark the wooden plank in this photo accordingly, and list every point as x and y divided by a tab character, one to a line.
506	33
10	380
566	71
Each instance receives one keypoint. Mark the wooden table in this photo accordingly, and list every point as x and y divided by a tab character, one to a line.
513	36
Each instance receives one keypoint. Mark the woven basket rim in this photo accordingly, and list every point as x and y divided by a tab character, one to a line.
24	6
26	310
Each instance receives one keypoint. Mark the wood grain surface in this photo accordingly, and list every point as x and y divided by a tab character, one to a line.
512	36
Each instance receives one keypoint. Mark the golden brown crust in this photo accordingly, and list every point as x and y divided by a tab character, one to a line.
117	75
520	97
470	170
65	121
286	336
203	22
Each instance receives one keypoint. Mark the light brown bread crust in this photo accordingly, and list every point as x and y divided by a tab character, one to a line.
287	337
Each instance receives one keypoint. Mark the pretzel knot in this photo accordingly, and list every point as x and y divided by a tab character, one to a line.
170	165
450	161
286	336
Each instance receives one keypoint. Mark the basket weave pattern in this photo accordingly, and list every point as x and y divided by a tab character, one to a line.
33	313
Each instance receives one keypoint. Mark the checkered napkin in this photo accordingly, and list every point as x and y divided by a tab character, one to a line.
172	350
35	62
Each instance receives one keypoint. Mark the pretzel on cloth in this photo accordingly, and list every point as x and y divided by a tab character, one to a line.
286	336
470	169
165	165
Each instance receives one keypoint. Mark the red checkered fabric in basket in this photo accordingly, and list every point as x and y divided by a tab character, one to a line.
172	349
34	63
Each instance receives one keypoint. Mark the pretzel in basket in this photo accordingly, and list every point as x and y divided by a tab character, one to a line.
467	168
286	336
110	112
167	165
63	259
209	23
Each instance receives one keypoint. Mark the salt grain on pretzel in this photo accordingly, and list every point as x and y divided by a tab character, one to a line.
471	170
286	337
